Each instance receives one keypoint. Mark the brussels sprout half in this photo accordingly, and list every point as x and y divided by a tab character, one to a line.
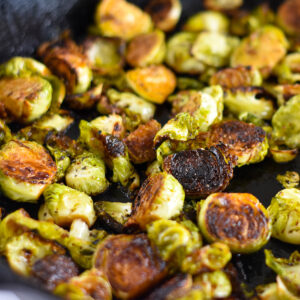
289	180
288	17
222	4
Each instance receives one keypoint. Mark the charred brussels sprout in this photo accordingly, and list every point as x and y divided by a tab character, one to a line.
207	21
87	174
131	264
119	18
106	55
26	169
214	49
247	142
146	49
164	13
263	49
251	100
286	124
160	197
179	56
154	83
238	220
90	285
201	172
284	214
289	180
223	4
288	17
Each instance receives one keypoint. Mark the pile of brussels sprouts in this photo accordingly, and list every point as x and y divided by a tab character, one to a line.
231	80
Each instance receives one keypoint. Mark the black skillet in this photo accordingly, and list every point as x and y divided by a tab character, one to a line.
24	25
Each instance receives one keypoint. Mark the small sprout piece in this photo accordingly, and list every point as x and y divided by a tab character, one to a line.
26	169
231	78
119	18
64	58
288	17
284	212
201	172
5	133
283	92
106	55
289	180
222	4
210	21
236	219
164	13
147	49
140	142
54	269
66	205
24	250
160	197
179	56
282	154
186	83
209	258
247	142
131	264
214	49
251	100
263	49
90	285
154	83
288	71
87	174
286	123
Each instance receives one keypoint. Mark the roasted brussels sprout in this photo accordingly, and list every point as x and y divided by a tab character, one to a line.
5	133
131	264
209	258
236	219
146	49
222	4
201	172
263	49
288	17
289	180
210	21
66	204
24	250
231	78
160	197
284	214
64	59
119	18
112	81
267	292
214	49
251	100
247	142
179	56
140	142
87	174
106	55
26	169
286	126
154	83
282	154
187	83
153	168
90	285
164	13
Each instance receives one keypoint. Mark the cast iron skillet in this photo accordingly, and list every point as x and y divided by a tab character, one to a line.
24	25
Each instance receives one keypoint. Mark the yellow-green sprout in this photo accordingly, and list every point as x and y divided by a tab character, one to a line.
26	169
160	197
287	269
24	250
179	56
281	154
153	168
174	240
263	49
187	83
5	133
249	100
106	55
289	180
223	4
288	17
210	21
87	174
154	83
112	81
284	213
286	123
146	49
90	285
119	18
214	49
66	205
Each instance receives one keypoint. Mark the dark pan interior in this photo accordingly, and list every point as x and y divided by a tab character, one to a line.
25	24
